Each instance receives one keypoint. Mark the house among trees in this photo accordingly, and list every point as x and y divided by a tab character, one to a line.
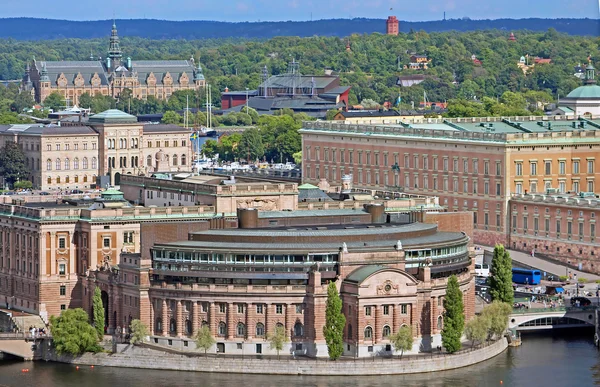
310	94
418	62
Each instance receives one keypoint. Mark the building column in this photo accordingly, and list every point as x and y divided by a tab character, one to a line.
180	328
71	265
395	318
231	326
53	268
195	317
250	313
165	317
434	301
377	329
267	323
212	319
289	320
412	318
151	325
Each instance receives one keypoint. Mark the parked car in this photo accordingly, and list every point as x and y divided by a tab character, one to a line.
44	193
582	301
76	191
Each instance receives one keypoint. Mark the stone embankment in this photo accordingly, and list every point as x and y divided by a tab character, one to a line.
130	356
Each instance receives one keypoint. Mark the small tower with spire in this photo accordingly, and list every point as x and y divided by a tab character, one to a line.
44	83
590	74
199	79
512	37
114	51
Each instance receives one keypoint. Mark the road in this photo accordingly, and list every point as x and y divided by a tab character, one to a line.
546	266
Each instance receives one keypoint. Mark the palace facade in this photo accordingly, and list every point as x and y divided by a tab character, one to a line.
112	75
111	143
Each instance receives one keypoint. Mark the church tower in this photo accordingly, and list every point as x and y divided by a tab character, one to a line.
114	51
45	88
199	76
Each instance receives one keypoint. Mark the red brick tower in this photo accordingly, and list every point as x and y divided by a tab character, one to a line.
393	25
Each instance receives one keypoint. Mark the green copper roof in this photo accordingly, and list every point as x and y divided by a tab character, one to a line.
308	186
113	116
587	91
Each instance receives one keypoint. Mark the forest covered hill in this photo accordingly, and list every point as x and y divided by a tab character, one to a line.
42	29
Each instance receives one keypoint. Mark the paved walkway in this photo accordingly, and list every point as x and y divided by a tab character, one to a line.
543	265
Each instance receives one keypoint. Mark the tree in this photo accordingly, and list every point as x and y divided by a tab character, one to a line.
251	145
12	163
171	117
55	101
402	340
139	331
297	157
501	288
335	321
496	317
98	310
22	101
23	184
454	316
72	333
210	148
85	101
277	339
476	329
204	339
331	113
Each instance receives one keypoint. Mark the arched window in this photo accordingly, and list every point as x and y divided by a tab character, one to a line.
57	164
204	324
241	330
279	325
386	331
368	333
49	180
76	163
85	163
85	178
260	330
67	179
174	160
159	324
67	164
149	161
222	329
188	327
95	163
350	331
48	165
132	161
121	143
76	179
183	160
298	330
57	179
172	326
124	143
440	323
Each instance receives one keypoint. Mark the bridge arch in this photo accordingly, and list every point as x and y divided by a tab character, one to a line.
552	319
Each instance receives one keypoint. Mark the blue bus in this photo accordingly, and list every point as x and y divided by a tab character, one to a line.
526	276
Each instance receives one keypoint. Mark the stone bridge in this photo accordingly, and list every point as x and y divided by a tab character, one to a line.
19	345
552	318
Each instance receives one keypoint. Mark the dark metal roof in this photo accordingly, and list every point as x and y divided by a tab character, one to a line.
160	68
71	69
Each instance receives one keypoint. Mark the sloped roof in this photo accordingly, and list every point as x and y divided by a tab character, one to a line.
71	69
163	128
587	91
308	186
160	68
112	116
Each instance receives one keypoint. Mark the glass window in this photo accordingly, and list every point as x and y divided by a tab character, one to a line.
259	309
386	331
279	309
368	333
62	269
260	330
367	310
222	329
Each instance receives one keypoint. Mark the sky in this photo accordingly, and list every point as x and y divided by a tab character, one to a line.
283	10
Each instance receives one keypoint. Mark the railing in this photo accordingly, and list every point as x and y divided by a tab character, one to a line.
566	309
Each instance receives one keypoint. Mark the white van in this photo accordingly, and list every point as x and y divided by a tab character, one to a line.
482	270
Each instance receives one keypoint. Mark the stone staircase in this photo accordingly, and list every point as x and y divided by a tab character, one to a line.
24	322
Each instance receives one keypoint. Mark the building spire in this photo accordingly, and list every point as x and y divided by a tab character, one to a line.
198	75
590	74
114	50
44	74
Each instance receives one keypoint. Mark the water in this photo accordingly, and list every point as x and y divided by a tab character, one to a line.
545	359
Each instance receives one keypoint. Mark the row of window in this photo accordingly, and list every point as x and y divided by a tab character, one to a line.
576	186
241	308
418	161
562	167
112	143
173	159
242	259
385	309
558	226
58	164
67	179
240	330
68	146
167	143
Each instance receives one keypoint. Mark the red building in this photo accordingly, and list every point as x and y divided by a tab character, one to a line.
393	26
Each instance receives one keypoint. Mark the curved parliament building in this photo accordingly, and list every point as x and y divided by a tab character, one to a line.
243	282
